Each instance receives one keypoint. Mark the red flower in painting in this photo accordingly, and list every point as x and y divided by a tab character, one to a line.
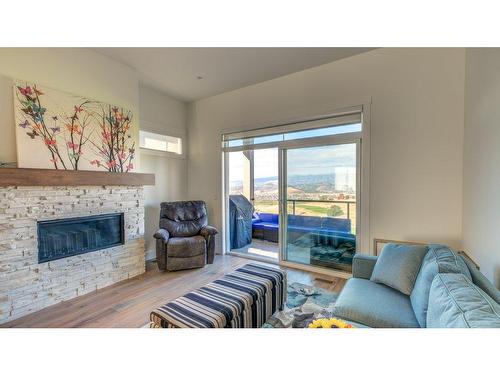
50	142
72	145
111	164
106	135
25	91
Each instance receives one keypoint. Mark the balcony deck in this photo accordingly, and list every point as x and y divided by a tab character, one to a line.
260	248
318	240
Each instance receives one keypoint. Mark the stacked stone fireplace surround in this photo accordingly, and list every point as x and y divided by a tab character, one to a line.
27	286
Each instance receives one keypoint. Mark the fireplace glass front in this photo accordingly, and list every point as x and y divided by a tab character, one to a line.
67	237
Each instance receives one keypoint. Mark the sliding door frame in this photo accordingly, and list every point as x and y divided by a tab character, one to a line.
362	139
353	138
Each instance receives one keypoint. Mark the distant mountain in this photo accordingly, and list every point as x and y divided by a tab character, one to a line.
316	179
312	183
299	179
307	183
264	180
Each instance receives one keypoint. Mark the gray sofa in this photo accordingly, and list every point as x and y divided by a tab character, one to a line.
184	239
448	291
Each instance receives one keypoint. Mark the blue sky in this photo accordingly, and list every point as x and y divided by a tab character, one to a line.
305	161
320	160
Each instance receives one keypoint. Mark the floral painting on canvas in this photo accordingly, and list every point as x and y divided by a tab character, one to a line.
58	130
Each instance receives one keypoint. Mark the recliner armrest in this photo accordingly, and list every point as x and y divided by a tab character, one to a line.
362	266
162	234
208	231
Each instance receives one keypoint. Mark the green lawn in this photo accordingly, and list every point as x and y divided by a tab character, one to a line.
312	208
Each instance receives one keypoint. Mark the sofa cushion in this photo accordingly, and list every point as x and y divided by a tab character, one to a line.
439	259
398	266
374	305
455	302
481	281
185	247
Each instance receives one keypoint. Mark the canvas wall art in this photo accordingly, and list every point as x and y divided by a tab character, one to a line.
58	130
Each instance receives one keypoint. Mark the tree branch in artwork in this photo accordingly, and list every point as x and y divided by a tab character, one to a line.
116	149
34	124
106	128
76	126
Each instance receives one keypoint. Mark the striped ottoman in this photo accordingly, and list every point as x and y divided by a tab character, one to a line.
245	298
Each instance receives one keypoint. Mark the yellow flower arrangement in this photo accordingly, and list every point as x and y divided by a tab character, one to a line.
330	323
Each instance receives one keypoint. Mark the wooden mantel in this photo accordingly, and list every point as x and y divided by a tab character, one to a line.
58	177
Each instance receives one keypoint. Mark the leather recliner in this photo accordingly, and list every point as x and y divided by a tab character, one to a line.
184	239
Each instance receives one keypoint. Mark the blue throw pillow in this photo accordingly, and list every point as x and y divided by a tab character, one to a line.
439	259
398	266
455	302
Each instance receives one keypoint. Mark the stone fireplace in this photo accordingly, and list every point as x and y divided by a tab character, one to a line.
51	251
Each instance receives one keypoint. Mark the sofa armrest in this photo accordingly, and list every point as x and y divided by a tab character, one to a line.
362	266
162	234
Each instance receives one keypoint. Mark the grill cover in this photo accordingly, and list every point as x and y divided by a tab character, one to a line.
240	221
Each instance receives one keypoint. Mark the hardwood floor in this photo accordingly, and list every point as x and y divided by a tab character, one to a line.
128	303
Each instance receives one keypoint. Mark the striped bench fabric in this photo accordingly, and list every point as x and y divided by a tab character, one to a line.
245	298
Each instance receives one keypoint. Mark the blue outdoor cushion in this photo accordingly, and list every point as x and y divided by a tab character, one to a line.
398	266
374	305
265	225
455	302
317	222
269	218
439	259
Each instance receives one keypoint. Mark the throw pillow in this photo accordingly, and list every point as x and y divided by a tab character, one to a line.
398	266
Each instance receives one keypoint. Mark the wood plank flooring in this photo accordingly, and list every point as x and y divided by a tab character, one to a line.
128	303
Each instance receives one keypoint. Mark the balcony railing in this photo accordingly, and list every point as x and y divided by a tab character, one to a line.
315	207
295	201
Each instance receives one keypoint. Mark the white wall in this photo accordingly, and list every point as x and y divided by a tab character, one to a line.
481	209
161	114
74	70
416	134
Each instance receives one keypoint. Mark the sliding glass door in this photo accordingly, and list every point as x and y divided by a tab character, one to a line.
292	192
319	205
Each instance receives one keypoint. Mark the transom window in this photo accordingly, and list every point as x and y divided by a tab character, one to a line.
159	142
